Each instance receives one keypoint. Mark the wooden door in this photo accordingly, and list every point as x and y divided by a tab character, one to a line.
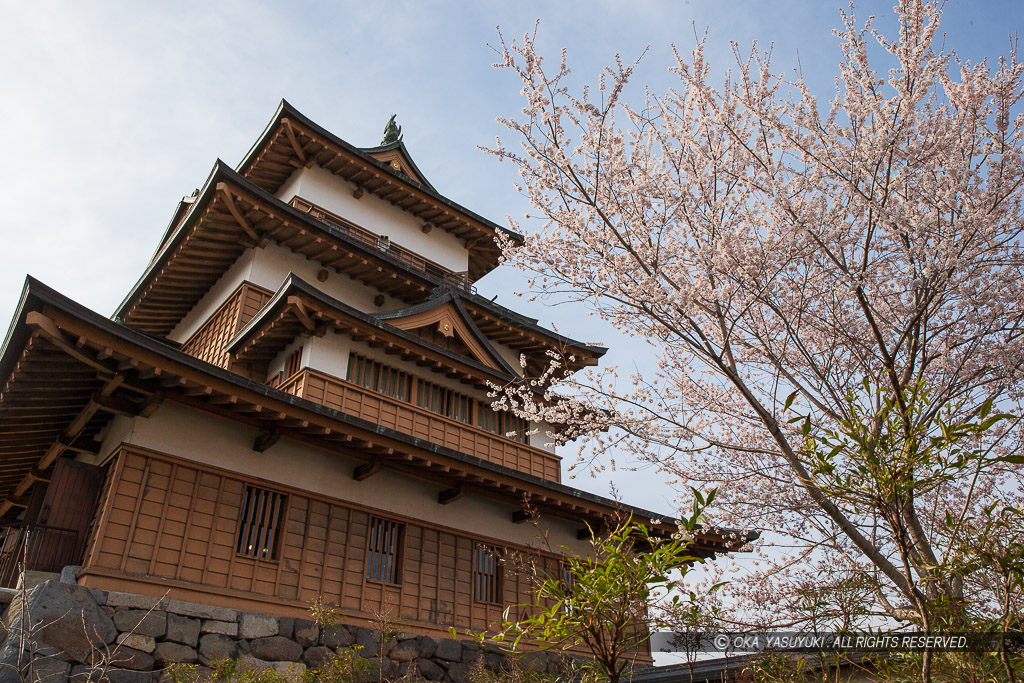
66	513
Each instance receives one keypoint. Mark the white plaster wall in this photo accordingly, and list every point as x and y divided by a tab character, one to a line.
510	355
202	438
330	353
323	188
214	297
272	265
278	364
541	439
268	267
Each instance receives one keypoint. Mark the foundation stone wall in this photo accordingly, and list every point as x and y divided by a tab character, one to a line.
60	631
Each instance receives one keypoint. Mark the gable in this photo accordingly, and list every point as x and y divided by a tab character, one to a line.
399	161
445	322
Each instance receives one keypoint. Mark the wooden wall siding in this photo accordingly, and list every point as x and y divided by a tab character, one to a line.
407	418
167	519
209	340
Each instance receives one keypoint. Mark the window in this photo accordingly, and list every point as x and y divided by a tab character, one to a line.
501	422
261	520
294	363
383	545
486	574
444	401
379	377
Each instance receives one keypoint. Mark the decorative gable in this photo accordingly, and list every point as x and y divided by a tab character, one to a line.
447	326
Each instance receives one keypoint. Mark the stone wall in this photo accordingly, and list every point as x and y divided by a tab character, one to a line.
74	631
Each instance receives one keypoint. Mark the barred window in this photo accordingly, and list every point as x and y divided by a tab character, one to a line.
501	422
383	548
486	574
445	401
261	521
294	363
379	377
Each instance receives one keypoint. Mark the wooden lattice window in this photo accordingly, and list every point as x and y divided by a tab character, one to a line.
501	422
294	363
486	574
261	521
445	401
383	550
379	377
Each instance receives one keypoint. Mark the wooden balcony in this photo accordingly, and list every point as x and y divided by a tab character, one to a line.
404	417
208	342
405	256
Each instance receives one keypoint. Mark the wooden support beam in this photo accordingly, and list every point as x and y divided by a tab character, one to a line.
265	440
520	516
300	312
450	495
114	404
150	405
293	140
229	201
366	470
48	329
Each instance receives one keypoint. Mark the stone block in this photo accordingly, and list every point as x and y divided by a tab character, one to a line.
126	657
276	649
141	622
183	630
449	650
226	628
215	646
137	642
427	646
316	657
308	635
199	611
167	653
459	672
337	636
69	574
253	625
293	672
369	641
286	626
48	670
86	674
99	596
135	601
71	620
429	670
405	651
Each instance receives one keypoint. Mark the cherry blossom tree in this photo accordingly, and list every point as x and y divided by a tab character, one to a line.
804	273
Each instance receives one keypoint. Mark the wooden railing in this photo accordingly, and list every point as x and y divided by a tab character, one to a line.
409	258
349	398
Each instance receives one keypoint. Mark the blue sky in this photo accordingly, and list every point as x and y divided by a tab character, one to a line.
114	110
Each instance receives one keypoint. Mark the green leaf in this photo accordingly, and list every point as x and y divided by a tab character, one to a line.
789	400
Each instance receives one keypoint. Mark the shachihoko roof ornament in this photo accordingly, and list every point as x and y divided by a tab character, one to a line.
392	132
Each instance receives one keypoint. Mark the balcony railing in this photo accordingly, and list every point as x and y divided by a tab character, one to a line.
381	243
35	547
409	419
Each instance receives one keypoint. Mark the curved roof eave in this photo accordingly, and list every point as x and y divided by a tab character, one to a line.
286	110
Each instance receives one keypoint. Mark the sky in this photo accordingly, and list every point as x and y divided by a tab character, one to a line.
115	110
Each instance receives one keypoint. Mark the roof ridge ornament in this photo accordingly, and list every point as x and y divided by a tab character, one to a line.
392	132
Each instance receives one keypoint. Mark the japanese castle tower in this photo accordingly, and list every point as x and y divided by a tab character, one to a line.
292	403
